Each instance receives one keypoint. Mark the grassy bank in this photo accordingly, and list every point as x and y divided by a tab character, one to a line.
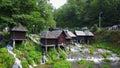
108	39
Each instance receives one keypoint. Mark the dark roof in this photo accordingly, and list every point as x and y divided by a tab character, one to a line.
19	28
53	34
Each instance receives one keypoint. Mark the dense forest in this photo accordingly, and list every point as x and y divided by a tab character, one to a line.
75	14
80	13
30	13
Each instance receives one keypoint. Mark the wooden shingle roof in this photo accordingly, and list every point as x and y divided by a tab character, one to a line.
79	33
19	28
53	34
84	33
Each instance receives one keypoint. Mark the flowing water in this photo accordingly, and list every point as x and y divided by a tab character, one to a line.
80	52
17	63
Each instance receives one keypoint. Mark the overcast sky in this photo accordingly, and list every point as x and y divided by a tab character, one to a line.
57	3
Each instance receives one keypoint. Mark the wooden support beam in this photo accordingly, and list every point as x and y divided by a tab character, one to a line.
25	43
13	43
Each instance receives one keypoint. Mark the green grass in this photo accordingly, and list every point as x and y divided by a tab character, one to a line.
108	47
32	52
62	64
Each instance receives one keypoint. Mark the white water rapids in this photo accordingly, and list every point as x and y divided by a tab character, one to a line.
17	63
85	54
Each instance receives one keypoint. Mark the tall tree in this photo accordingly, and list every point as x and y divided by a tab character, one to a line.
78	13
36	15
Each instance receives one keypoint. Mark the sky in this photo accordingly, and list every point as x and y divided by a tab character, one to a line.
57	3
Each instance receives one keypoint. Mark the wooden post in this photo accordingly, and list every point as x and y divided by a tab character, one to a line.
25	43
13	43
46	49
54	47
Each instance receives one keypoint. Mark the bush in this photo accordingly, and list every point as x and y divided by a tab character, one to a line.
24	64
62	64
35	56
82	62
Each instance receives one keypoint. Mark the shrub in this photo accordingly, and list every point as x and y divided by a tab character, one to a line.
82	62
62	64
24	64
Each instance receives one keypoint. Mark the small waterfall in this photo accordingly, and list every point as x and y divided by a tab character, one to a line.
44	59
17	63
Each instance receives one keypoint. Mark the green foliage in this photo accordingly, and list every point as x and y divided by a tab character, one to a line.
28	13
52	53
106	60
62	55
17	53
105	54
108	40
82	62
87	12
49	62
6	60
94	28
30	60
24	64
33	52
92	49
62	64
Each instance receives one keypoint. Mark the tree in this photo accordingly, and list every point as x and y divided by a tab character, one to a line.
79	13
36	15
